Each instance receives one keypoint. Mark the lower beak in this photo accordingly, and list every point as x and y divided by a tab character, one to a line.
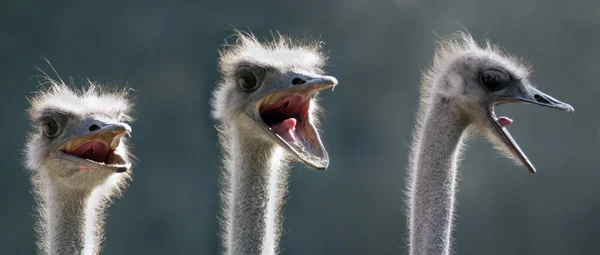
514	149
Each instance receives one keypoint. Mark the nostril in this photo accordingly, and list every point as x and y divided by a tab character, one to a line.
94	127
541	99
298	81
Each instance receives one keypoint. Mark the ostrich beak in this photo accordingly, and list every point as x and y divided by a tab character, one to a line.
97	146
285	112
529	95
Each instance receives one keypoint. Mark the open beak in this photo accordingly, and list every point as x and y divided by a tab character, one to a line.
100	147
533	96
285	113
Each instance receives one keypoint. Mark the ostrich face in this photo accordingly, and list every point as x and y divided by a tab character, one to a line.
482	80
281	103
78	140
269	89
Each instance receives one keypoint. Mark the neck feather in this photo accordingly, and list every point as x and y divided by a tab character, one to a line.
432	177
70	220
256	177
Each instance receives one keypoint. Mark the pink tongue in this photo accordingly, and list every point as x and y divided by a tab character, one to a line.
93	150
504	121
285	129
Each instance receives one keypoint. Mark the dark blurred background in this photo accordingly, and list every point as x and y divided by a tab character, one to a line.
167	50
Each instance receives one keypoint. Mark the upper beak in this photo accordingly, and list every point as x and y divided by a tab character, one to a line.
319	83
116	129
533	96
303	84
109	133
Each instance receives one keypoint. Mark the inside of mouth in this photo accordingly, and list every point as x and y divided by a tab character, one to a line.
502	120
286	117
98	152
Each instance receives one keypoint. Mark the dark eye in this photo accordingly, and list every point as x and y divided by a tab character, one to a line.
50	127
494	80
247	81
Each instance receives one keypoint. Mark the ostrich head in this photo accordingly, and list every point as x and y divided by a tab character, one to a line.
78	138
475	79
269	91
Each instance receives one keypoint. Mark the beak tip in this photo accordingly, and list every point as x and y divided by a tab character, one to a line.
565	107
570	109
329	81
334	80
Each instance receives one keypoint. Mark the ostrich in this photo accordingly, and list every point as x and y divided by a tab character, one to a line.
458	96
266	109
79	160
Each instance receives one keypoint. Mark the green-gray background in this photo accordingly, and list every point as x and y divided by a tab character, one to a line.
167	51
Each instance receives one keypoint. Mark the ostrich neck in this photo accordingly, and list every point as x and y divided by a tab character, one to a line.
434	178
258	176
71	221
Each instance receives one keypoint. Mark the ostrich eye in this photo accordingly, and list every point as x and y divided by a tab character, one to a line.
50	127
494	80
247	81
